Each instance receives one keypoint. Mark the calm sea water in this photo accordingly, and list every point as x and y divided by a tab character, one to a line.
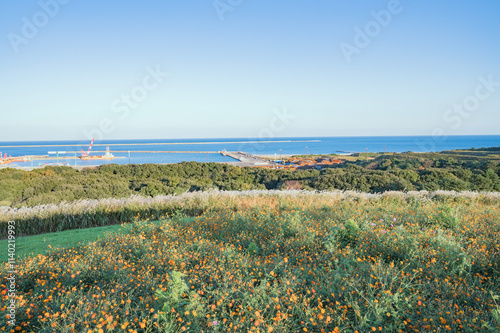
320	145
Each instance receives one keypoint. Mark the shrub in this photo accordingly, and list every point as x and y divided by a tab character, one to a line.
253	249
344	235
448	218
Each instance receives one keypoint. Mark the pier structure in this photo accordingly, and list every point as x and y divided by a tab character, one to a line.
248	159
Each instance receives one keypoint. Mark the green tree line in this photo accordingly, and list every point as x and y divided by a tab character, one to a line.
405	171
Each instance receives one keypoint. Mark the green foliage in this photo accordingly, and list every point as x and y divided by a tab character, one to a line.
253	248
456	171
450	252
173	299
344	235
448	218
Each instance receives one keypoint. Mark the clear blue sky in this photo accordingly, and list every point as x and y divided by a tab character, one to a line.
227	78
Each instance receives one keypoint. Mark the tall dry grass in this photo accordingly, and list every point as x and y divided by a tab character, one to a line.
92	213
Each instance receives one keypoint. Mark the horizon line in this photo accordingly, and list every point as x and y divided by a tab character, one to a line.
255	139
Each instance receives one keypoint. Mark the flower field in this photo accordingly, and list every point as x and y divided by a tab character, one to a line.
277	262
100	212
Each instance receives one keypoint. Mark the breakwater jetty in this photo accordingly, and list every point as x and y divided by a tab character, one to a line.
248	159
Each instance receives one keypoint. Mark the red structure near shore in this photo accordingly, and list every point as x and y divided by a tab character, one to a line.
10	159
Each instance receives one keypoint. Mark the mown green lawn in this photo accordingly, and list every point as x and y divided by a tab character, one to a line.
41	244
45	243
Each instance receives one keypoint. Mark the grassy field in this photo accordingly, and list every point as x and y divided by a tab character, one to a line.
277	264
55	241
42	244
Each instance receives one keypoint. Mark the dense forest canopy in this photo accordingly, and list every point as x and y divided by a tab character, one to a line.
476	170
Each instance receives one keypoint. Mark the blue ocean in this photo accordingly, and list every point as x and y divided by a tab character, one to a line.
203	150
